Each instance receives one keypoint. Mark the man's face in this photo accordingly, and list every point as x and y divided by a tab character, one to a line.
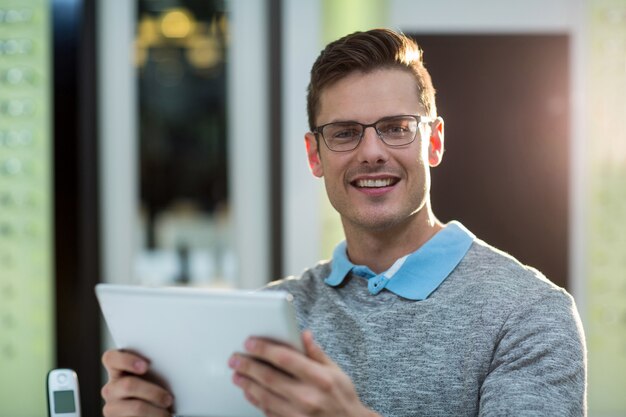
376	187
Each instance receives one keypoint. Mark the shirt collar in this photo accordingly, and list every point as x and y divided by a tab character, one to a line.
416	275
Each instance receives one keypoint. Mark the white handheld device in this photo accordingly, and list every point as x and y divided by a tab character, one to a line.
63	395
189	333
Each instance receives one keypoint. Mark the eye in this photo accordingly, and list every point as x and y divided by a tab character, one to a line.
394	127
397	127
346	133
343	132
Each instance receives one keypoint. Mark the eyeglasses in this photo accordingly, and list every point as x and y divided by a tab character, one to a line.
393	131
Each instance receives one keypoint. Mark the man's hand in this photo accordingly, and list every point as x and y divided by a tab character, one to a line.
126	393
286	383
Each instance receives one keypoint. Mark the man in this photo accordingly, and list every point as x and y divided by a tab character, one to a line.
412	317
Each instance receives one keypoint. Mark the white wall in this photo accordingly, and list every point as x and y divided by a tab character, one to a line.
483	16
301	191
118	117
248	176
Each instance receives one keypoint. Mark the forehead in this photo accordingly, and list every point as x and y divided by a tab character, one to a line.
366	97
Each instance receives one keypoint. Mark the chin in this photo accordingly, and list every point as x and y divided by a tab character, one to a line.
381	222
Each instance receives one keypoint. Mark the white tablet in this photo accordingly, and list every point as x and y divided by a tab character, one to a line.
188	334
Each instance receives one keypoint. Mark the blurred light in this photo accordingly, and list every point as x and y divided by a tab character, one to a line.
204	52
148	33
141	55
177	24
223	27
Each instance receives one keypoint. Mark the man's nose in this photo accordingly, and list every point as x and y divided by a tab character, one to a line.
372	149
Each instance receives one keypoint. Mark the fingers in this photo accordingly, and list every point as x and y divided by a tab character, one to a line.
283	382
313	350
249	368
277	394
127	394
118	363
133	408
289	361
272	404
136	388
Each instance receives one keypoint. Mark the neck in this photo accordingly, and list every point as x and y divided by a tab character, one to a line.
379	249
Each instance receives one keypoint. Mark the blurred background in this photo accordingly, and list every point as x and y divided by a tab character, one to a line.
160	142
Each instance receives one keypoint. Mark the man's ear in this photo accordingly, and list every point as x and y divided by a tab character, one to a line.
313	155
436	144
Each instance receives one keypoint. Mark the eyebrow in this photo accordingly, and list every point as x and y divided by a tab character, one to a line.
376	120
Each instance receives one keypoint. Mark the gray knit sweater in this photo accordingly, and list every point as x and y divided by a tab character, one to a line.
495	339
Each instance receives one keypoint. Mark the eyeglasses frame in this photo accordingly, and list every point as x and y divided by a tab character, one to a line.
419	118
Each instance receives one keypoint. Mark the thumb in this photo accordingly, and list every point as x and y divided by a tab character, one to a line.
313	350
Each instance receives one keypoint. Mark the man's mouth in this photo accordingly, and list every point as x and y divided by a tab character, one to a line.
374	183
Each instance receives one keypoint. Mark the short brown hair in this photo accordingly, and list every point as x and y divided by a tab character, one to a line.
366	52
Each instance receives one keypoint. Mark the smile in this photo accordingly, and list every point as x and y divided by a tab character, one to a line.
374	183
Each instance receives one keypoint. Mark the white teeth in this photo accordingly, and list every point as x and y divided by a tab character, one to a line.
374	183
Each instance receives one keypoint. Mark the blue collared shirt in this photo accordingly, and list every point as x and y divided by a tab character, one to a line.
416	275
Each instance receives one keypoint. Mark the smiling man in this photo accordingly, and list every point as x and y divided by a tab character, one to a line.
411	317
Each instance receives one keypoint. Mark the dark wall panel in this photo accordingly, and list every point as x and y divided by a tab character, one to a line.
76	214
505	101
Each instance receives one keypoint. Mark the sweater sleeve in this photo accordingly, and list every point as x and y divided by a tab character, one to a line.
539	362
